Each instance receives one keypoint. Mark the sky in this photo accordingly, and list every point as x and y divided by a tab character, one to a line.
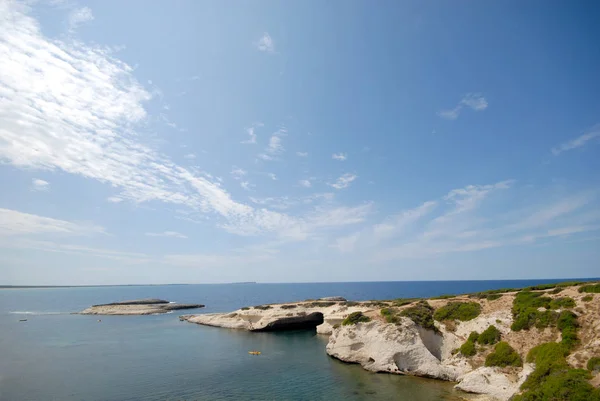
207	142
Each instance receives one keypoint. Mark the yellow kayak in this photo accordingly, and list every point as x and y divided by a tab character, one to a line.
254	352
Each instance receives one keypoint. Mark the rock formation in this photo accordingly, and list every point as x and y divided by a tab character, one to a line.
137	307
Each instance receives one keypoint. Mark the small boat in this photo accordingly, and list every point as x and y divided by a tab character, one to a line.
22	320
254	352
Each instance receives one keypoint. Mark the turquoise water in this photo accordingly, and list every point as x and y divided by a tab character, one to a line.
59	356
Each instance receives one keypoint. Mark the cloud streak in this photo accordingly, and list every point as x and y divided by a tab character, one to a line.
578	142
168	234
344	181
265	43
473	101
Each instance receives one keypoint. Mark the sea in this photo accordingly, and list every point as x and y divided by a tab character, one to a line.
57	355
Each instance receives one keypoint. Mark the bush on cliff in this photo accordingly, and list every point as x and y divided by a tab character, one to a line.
421	314
490	336
390	315
587	298
463	311
468	348
562	303
503	355
593	364
355	317
591	288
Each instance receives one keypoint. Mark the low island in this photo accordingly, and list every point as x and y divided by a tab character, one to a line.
137	307
518	344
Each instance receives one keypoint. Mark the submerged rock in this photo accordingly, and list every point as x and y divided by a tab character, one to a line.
137	307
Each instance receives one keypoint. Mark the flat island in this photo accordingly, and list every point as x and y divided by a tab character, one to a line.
137	307
518	344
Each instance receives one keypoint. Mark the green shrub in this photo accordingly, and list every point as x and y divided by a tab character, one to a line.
587	298
288	306
245	308
350	303
355	317
491	335
593	364
562	303
320	304
336	326
468	348
556	290
421	314
473	337
263	307
445	296
493	297
591	288
560	383
547	353
404	301
390	315
554	285
503	355
525	311
458	311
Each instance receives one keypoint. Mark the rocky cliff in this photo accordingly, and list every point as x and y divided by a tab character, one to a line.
481	341
137	307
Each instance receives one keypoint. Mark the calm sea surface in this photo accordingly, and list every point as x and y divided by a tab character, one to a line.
59	356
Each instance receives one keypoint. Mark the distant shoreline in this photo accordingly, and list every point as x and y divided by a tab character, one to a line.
556	280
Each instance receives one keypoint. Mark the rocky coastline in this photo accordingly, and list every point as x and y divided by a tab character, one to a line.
447	338
137	307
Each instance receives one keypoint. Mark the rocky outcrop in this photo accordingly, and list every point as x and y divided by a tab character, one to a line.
395	348
494	382
137	307
302	315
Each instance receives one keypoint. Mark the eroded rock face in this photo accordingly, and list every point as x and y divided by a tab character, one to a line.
137	307
280	317
383	347
493	382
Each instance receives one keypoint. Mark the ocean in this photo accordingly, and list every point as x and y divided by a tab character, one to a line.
56	355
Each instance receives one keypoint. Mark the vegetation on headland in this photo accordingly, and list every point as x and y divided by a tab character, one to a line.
490	336
421	314
463	311
355	317
593	364
587	298
591	288
503	355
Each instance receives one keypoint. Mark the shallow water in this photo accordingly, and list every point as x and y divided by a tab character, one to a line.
55	355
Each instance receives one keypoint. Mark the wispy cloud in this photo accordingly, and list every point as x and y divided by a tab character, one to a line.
170	234
339	156
40	185
246	185
265	43
114	199
85	121
79	16
272	176
190	156
251	133
15	223
238	173
275	147
578	142
344	181
474	101
305	183
302	154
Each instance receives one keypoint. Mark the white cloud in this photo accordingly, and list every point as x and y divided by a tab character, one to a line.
79	16
302	154
251	134
578	142
396	224
346	244
339	156
40	185
275	147
344	181
246	185
265	44
15	223
305	183
171	234
190	156
272	176
76	108
238	173
474	101
114	199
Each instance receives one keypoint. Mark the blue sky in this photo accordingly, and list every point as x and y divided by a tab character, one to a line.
160	142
